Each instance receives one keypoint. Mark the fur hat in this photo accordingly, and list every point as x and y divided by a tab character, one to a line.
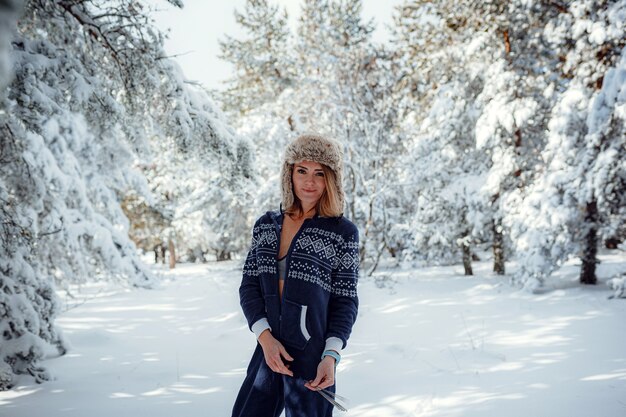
315	148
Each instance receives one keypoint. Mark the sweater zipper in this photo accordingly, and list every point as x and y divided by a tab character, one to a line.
280	312
277	232
287	261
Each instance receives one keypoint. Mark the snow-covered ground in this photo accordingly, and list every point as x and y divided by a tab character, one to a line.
427	342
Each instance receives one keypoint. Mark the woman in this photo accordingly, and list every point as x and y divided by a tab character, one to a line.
299	287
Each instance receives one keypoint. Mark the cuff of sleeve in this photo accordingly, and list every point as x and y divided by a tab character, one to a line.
334	343
259	326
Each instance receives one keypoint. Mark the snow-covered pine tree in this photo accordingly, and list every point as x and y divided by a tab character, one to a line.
424	37
261	61
515	103
92	99
443	57
605	183
375	145
578	191
346	91
198	171
74	108
28	303
446	173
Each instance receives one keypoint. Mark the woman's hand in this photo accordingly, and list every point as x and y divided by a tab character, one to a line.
272	350
325	375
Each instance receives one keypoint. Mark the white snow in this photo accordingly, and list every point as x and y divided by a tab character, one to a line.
427	342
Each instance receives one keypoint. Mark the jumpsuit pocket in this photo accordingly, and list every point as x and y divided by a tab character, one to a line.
293	329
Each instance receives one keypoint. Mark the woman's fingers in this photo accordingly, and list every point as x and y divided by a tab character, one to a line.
276	364
274	353
284	370
283	352
318	379
286	355
280	366
327	382
325	376
272	362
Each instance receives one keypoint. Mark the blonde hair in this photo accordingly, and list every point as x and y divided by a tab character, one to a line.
328	204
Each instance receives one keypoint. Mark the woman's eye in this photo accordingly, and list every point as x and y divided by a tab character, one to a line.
320	174
301	171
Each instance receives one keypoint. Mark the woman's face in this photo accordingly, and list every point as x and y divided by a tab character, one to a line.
308	182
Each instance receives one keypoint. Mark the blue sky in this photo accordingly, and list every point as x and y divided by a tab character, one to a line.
195	30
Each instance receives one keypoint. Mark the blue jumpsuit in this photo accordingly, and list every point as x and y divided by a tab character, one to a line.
319	303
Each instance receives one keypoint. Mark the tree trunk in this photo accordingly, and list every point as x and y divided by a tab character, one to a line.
223	255
498	247
590	245
170	245
467	257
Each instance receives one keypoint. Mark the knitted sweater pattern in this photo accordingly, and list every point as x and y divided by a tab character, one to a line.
320	293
